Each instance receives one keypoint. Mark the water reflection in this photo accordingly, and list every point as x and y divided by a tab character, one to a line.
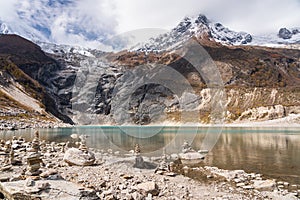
272	152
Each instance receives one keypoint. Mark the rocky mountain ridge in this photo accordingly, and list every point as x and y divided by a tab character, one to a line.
88	86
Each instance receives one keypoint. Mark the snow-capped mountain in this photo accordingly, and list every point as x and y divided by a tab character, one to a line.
43	29
201	26
195	26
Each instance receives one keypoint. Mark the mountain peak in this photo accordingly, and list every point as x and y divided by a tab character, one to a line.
202	19
200	27
286	34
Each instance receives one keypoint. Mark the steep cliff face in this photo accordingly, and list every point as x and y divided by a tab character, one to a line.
28	66
21	99
260	83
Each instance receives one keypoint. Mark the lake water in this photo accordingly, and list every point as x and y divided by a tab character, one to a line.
273	152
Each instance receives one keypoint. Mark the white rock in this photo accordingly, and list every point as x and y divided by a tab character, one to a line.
264	185
75	156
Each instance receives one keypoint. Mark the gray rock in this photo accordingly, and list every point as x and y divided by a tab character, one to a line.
60	189
149	187
284	33
189	101
48	173
75	156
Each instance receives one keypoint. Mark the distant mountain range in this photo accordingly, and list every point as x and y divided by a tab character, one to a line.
202	27
53	82
199	26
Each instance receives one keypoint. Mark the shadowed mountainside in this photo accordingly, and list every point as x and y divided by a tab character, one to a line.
26	66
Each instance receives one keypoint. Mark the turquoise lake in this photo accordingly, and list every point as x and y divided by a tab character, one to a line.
273	152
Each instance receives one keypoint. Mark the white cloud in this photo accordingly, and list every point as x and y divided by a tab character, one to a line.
78	20
253	16
7	10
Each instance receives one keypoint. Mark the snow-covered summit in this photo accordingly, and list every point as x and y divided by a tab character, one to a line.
200	26
196	26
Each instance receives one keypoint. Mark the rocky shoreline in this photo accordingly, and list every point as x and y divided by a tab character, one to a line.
17	124
43	170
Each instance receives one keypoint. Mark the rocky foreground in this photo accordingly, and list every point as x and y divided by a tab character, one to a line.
42	170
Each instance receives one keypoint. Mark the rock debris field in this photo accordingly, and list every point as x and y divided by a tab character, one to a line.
42	170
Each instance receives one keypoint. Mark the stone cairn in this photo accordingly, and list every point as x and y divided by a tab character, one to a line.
137	149
12	160
139	161
7	151
82	143
163	165
34	157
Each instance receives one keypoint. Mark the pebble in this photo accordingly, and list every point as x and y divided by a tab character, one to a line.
248	187
279	183
237	180
29	182
286	184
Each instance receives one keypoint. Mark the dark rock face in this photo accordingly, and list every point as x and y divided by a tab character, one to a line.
284	33
184	25
247	39
296	31
37	65
202	19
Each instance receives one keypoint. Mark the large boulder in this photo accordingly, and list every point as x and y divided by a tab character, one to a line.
75	156
191	156
264	185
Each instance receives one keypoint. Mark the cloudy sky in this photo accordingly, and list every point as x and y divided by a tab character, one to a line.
73	21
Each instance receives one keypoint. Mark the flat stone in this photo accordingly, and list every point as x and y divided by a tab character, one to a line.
294	187
48	173
264	185
127	176
171	174
75	156
45	189
6	168
248	187
279	183
191	156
